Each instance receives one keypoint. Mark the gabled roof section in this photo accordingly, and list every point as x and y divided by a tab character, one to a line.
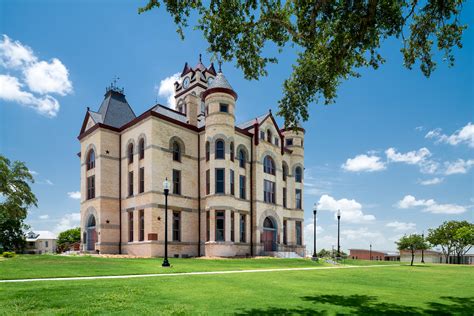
115	110
250	123
164	110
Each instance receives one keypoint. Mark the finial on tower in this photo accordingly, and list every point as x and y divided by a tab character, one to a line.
220	65
200	58
113	86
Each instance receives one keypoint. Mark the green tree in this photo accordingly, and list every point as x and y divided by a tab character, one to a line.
412	243
463	239
68	237
333	40
323	253
17	198
444	236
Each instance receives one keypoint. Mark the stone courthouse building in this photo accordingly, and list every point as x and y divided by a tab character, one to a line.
236	189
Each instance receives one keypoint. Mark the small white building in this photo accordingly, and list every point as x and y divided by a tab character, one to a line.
40	242
429	256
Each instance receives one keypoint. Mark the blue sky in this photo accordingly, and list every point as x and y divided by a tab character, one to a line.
395	152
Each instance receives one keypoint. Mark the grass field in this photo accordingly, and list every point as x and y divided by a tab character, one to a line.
391	290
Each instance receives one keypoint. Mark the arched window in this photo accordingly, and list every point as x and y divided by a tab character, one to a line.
130	153
242	158
298	174
285	171
208	151
176	152
220	152
269	165
141	148
90	159
269	136
232	151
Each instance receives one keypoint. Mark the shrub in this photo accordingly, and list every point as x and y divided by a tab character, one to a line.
9	254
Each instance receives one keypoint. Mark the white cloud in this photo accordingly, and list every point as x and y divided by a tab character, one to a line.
46	216
40	77
364	163
414	157
362	233
433	181
459	166
166	89
401	226
464	135
68	221
309	234
431	206
14	54
351	210
43	77
33	173
76	195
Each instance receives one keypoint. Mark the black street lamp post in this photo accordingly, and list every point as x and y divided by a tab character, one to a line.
315	211
370	252
422	251
166	189
338	234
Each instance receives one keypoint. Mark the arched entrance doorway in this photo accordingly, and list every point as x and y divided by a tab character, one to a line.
91	234
269	234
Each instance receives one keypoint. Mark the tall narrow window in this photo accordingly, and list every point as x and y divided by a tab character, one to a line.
208	182
130	183
91	159
208	151
220	226
298	174
130	153
176	152
242	227
220	184
285	232
262	135
176	181
269	136
284	198
277	141
90	187
268	165
232	182
142	225
242	158
232	151
176	226
298	198
284	171
223	107
299	239
141	148
242	186
269	191
142	180
232	226
130	226
208	226
289	142
220	151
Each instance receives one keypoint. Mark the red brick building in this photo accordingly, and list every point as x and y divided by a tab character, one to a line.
364	254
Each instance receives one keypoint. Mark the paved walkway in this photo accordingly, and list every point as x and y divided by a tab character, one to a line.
130	276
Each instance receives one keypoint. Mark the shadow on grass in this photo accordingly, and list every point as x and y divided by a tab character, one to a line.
369	305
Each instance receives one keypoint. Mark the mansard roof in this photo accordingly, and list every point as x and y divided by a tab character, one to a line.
115	110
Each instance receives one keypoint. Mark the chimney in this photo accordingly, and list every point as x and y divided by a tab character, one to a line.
192	107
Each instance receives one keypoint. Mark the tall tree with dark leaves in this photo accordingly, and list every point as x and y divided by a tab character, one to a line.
332	40
17	198
412	243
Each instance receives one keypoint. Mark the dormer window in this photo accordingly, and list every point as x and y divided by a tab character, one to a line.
223	108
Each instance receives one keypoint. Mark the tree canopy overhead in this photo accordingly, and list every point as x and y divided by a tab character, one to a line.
333	39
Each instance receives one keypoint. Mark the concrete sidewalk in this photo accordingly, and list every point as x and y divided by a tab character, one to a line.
190	273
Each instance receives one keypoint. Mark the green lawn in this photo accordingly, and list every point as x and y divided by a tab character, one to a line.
391	290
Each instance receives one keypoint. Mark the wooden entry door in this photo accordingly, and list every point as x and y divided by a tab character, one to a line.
91	238
268	240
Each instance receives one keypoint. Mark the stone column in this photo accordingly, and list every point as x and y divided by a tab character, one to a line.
227	225
237	216
212	224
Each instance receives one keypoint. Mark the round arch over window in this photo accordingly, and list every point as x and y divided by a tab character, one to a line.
220	149
141	148
269	165
90	159
242	158
298	174
130	153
